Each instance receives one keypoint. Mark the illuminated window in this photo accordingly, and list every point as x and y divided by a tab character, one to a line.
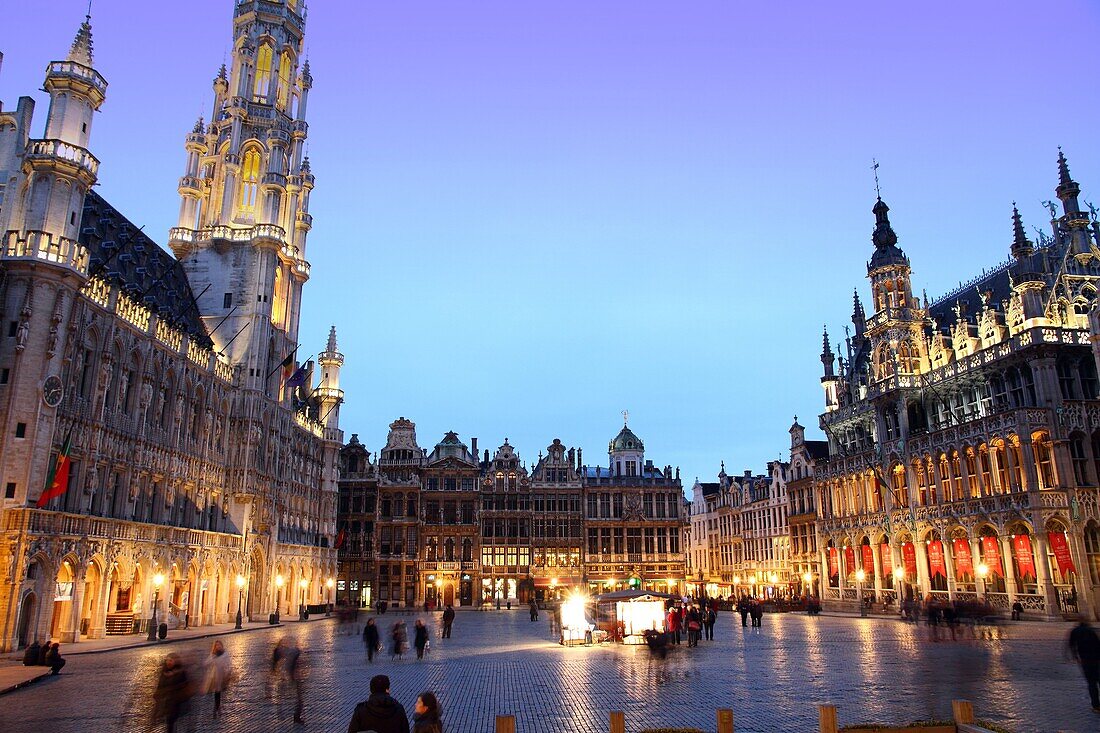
263	74
283	94
250	178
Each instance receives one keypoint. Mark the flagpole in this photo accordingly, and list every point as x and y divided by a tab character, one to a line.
292	353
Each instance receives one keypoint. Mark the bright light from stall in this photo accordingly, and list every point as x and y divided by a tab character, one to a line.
572	612
639	616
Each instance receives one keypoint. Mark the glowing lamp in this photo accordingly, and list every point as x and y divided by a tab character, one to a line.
806	577
330	582
553	582
240	581
899	573
279	580
158	580
438	583
983	570
860	575
774	578
303	583
737	580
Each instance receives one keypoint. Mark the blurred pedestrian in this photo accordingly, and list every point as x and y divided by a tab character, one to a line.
370	638
427	717
448	619
709	621
399	635
54	659
1084	646
743	606
379	712
421	638
756	611
172	692
219	675
534	611
287	665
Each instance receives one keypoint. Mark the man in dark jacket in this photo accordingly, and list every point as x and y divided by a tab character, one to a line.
379	712
1084	646
743	609
370	638
448	619
31	654
54	660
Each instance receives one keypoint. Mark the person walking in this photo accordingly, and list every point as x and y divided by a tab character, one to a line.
219	675
427	717
694	626
743	608
400	637
448	619
1083	645
420	638
534	611
711	619
756	611
379	712
370	638
674	624
287	662
54	659
171	693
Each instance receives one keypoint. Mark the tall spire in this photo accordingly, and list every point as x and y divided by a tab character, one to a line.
331	348
884	235
1067	189
1021	245
859	317
81	50
827	355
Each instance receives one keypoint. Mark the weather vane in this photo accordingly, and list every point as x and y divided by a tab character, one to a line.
874	168
626	416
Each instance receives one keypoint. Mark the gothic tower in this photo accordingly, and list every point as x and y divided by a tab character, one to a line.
244	210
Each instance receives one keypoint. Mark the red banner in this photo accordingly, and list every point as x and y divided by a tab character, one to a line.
849	560
1061	552
868	560
991	554
964	561
887	556
1021	548
937	565
834	563
909	556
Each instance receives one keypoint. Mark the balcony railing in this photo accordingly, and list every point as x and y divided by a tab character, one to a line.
59	149
63	524
78	71
42	246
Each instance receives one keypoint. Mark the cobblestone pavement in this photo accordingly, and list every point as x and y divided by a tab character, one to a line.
498	662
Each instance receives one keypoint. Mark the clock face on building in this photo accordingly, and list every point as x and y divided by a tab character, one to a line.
52	390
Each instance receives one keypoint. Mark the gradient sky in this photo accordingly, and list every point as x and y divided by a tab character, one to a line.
530	216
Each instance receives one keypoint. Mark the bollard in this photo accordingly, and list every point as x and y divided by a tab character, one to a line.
826	716
506	724
962	711
725	720
618	722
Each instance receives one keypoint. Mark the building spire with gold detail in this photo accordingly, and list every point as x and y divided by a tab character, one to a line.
81	50
1021	245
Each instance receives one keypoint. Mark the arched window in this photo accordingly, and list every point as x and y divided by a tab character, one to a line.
945	478
1044	460
1092	551
1079	457
250	179
282	96
907	361
900	487
885	362
263	74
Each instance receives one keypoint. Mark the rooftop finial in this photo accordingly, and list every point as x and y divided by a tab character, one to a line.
81	50
874	167
1063	169
1021	245
626	417
331	347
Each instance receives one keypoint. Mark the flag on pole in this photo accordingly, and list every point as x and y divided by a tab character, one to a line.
341	536
297	378
57	480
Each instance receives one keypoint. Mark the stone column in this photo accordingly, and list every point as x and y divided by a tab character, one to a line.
979	582
922	581
70	633
1031	470
1010	571
1040	555
877	561
949	563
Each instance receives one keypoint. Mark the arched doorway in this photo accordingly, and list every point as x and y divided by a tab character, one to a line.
28	609
61	621
449	594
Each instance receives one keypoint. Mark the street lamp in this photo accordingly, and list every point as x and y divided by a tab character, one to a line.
279	581
158	581
303	584
807	579
860	577
329	584
240	598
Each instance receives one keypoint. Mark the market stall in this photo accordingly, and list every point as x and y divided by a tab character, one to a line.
627	614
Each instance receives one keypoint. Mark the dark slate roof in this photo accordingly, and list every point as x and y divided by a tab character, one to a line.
648	472
817	449
709	489
125	257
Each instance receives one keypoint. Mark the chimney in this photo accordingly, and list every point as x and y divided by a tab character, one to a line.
473	447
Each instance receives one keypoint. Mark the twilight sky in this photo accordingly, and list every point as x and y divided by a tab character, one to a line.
531	216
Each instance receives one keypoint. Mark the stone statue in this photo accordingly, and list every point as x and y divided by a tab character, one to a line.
21	335
1053	208
1092	211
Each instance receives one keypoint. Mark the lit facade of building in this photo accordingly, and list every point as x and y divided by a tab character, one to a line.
964	434
190	465
452	529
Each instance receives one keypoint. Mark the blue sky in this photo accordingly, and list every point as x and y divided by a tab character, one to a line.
532	216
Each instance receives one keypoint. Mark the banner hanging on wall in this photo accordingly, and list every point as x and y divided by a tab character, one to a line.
991	554
909	556
834	563
1021	548
1061	552
937	564
849	560
868	560
887	556
964	562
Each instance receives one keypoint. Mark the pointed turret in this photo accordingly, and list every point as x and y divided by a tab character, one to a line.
81	50
1021	245
859	317
827	355
885	240
1067	189
329	391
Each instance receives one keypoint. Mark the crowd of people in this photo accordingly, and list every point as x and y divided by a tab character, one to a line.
44	654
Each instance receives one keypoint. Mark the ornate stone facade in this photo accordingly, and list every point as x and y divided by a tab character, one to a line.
192	463
964	434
